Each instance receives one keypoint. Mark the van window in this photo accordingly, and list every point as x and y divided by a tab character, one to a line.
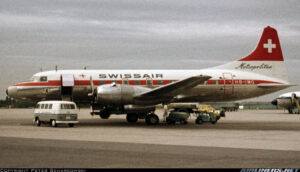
43	105
72	106
67	106
37	106
46	106
50	106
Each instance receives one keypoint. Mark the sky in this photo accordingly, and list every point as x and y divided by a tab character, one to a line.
36	35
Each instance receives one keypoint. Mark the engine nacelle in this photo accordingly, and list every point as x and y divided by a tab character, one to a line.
117	95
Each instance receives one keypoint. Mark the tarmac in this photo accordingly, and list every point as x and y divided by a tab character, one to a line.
243	139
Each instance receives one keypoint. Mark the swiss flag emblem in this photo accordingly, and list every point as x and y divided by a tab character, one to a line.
269	45
268	48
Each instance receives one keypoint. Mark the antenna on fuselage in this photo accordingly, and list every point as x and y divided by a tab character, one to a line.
84	67
56	67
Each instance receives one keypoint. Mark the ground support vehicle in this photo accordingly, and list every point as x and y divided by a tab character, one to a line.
176	116
56	112
204	116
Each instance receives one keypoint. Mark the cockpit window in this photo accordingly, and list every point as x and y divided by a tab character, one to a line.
39	79
43	79
35	79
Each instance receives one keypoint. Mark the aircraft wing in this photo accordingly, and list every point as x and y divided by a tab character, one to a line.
167	92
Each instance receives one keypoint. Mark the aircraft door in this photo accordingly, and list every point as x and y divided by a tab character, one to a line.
228	84
67	84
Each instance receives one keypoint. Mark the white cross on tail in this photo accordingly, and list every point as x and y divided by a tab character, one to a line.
269	45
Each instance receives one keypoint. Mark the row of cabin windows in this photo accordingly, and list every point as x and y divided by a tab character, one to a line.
137	82
49	106
150	82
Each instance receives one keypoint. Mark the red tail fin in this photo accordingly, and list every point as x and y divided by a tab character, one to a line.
268	48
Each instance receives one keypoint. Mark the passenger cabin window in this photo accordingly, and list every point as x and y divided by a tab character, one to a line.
160	82
149	82
46	106
42	106
43	78
50	106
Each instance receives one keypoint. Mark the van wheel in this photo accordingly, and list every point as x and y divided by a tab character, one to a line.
53	123
71	125
38	122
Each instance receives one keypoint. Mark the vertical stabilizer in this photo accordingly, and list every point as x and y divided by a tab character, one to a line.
266	59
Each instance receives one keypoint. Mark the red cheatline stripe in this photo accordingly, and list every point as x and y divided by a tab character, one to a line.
144	82
49	83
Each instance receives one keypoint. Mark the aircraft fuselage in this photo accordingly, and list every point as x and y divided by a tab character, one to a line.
225	85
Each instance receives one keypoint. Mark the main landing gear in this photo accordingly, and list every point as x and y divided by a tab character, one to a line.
150	119
103	113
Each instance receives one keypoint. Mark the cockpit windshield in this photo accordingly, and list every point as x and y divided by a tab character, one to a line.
34	79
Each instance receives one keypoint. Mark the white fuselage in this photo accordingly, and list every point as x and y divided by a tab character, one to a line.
224	85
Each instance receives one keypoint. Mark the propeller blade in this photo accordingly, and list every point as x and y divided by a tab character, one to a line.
92	86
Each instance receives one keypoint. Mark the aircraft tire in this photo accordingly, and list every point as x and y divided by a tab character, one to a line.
71	125
152	119
104	114
132	118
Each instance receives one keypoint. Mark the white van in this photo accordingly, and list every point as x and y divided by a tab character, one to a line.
55	112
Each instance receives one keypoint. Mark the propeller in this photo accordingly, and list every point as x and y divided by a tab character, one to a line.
92	86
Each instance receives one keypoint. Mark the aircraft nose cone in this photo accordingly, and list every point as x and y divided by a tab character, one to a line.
274	102
12	91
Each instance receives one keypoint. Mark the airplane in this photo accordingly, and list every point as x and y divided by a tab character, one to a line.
137	92
289	101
